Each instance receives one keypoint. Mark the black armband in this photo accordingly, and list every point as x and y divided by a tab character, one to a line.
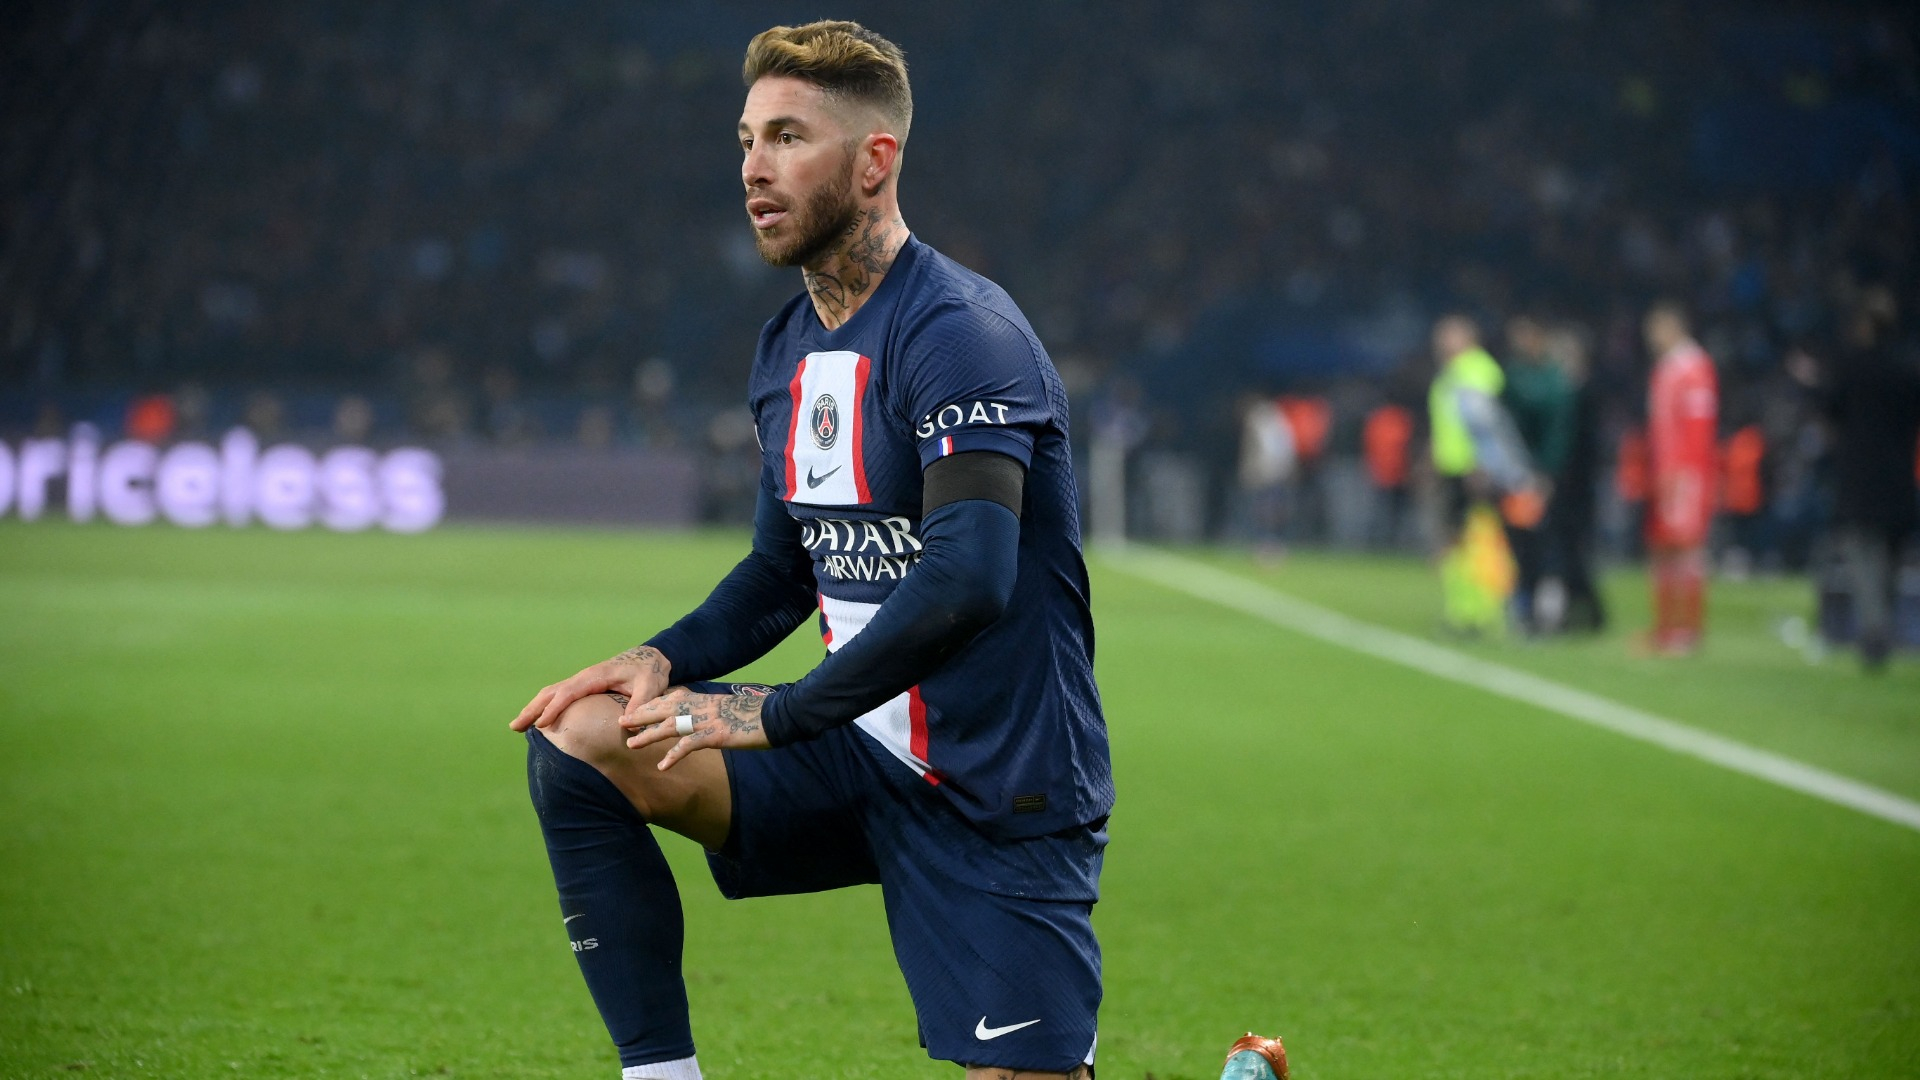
974	474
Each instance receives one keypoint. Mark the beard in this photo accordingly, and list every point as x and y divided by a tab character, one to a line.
826	214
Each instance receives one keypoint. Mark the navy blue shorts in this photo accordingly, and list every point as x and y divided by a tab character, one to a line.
994	936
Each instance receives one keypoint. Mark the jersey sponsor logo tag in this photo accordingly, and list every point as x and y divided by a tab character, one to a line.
862	550
815	481
984	1033
891	535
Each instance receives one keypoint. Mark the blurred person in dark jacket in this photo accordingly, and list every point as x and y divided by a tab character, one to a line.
1540	401
1871	395
1570	515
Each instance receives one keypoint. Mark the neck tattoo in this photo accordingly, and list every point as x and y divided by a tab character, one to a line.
849	271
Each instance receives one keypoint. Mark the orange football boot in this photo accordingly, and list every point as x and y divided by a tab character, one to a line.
1256	1057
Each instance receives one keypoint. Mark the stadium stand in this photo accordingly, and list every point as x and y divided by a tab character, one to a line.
517	223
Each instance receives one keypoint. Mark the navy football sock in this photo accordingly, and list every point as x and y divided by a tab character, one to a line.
618	903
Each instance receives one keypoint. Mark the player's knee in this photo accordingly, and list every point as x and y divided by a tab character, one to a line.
573	800
589	729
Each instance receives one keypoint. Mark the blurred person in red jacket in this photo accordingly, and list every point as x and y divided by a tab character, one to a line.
1387	440
1683	419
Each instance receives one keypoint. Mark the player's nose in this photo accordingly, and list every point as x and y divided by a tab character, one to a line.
754	169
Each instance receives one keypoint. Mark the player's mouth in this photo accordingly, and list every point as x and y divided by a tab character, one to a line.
765	213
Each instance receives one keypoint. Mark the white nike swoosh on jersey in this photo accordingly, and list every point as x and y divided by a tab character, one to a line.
570	918
982	1032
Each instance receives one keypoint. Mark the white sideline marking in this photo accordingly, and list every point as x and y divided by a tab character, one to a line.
1241	594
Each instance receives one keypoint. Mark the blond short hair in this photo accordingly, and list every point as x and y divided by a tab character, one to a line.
844	59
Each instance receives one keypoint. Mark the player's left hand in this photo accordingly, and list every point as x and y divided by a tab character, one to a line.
714	720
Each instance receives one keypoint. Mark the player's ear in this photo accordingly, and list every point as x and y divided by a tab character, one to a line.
879	159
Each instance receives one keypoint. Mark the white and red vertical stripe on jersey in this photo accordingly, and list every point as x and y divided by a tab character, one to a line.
899	724
826	436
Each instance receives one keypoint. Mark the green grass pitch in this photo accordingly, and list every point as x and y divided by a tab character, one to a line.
260	816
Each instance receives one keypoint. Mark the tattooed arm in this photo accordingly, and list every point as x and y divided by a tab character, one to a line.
962	583
647	657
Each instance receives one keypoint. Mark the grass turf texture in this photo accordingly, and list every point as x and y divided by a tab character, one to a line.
260	816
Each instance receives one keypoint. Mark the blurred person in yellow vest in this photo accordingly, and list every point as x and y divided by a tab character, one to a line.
1479	460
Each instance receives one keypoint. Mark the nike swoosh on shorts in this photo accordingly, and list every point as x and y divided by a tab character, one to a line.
984	1033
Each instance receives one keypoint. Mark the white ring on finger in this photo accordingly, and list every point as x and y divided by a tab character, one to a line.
683	725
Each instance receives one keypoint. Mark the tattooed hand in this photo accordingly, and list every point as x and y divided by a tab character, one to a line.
718	720
640	674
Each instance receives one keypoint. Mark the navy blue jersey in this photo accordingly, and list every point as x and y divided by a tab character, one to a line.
939	361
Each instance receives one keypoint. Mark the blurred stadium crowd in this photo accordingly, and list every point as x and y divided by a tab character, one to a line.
517	223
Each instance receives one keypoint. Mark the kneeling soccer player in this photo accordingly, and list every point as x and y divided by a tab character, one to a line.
917	495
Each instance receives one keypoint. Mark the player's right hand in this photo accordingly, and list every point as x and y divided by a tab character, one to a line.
639	673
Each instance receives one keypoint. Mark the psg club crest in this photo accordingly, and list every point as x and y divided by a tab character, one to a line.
825	424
